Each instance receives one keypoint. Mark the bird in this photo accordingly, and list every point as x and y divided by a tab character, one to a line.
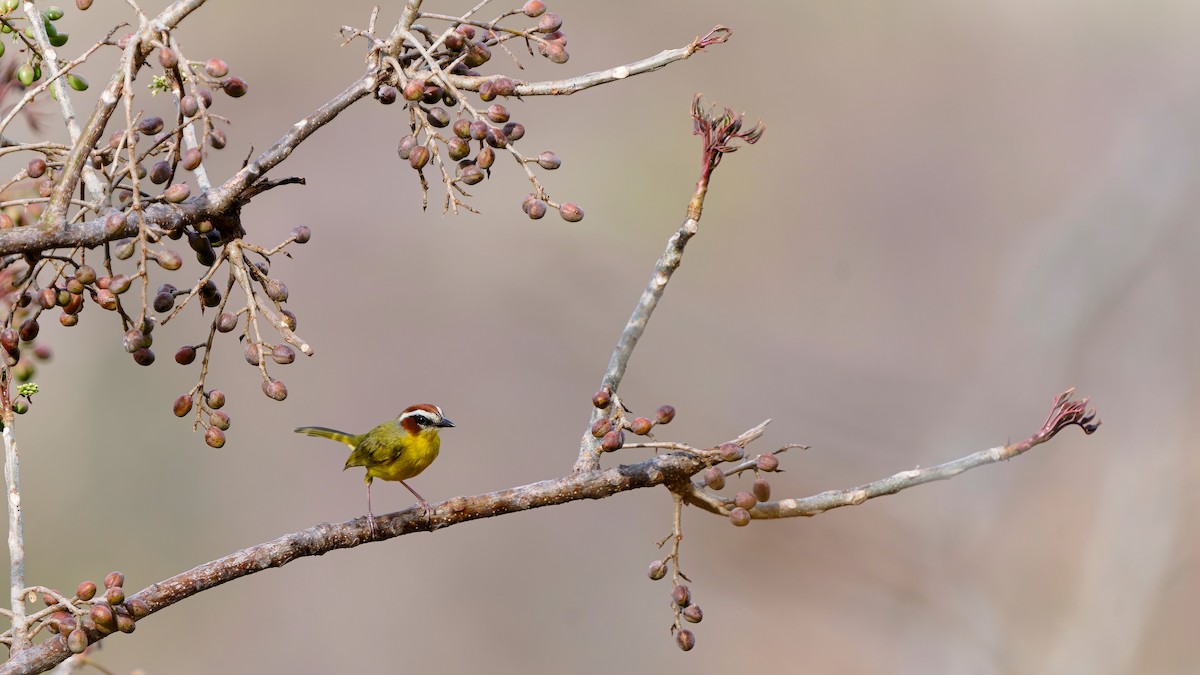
398	449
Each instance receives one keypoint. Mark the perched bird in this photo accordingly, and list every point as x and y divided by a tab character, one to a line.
398	449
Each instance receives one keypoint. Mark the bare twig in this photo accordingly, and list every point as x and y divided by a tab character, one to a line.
16	531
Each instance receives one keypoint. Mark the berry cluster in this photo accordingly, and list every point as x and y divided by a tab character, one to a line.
611	430
435	72
86	618
760	491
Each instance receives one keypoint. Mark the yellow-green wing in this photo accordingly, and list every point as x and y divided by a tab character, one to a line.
380	445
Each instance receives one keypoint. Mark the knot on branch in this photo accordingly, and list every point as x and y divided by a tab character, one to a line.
1066	412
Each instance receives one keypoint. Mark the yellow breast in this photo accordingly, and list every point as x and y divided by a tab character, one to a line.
418	453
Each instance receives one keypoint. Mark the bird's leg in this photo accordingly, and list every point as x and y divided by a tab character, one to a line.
370	515
424	504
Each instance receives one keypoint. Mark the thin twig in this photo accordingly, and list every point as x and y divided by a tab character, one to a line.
16	531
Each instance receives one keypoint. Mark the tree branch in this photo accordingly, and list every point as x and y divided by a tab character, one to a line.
673	470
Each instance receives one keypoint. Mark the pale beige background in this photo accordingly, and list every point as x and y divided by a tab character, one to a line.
959	210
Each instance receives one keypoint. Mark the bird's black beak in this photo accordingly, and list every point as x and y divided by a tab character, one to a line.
445	423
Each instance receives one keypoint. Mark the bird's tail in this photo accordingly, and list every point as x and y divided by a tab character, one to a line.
332	434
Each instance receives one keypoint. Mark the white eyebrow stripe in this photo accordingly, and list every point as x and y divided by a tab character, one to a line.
419	413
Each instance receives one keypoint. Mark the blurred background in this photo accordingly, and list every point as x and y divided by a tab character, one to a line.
958	211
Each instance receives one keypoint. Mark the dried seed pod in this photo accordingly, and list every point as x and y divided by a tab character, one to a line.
570	212
549	160
183	405
658	570
185	355
235	87
744	499
86	590
214	437
692	614
641	426
739	517
612	441
761	490
713	478
681	595
664	414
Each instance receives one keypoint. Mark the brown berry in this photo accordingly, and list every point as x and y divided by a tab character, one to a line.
761	490
664	414
612	441
216	68
730	452
534	8
133	340
479	130
685	639
8	339
767	463
549	23
496	138
438	117
692	614
549	160
214	437
471	175
103	615
77	641
183	405
406	145
387	94
177	193
739	517
215	399
497	113
556	53
217	139
289	319
226	322
641	426
219	419
458	148
658	570
485	158
275	389
414	90
235	87
601	427
681	595
251	354
283	354
745	500
150	125
277	290
191	159
85	590
167	58
301	234
36	167
163	302
602	398
462	129
188	106
115	595
714	478
143	357
185	355
419	157
536	209
160	172
570	212
514	131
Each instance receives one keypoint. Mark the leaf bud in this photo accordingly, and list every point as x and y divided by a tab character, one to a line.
137	608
